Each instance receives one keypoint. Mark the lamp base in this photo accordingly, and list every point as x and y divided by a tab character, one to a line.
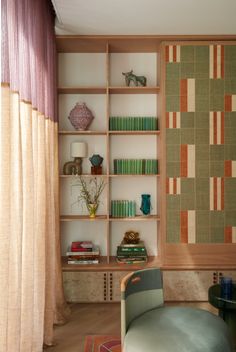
73	167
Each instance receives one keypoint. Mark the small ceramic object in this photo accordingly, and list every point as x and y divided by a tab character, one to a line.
137	80
146	204
80	117
96	160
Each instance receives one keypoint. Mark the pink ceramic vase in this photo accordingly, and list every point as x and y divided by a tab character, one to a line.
80	117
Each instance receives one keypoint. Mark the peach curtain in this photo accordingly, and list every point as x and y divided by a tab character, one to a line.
32	298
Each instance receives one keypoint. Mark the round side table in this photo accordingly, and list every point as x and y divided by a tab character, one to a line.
227	307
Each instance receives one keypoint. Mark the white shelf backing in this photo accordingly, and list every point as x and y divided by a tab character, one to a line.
83	231
133	105
142	64
82	69
95	102
69	192
95	145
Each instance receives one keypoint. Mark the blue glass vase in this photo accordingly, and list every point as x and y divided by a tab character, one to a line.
146	204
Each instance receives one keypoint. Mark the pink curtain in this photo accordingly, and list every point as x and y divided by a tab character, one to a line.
32	298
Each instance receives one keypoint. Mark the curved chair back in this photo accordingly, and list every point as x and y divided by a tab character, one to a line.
141	291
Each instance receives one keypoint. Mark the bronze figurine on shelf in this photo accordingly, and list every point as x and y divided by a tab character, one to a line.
131	237
130	76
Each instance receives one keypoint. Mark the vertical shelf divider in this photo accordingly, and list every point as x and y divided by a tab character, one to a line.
108	149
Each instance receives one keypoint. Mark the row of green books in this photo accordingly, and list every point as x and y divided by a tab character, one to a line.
135	166
124	123
127	254
123	208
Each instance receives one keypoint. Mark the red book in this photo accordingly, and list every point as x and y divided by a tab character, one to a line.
81	244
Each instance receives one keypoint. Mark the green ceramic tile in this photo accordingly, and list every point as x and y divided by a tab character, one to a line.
173	202
217	219
202	185
172	169
217	234
173	71
202	86
202	235
202	201
230	152
202	152
217	87
202	218
230	52
230	86
230	135
230	69
202	168
230	192
173	153
173	136
216	102
202	136
230	218
202	103
187	53
217	152
187	136
173	226
202	119
217	168
202	53
187	70
187	119
230	120
172	103
187	201
187	185
202	69
172	87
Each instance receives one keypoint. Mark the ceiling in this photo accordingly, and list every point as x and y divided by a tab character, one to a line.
145	17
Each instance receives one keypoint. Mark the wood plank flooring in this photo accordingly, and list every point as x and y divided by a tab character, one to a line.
98	319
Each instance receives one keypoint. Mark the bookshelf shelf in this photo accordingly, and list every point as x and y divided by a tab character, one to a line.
82	218
81	90
134	90
88	133
136	218
134	133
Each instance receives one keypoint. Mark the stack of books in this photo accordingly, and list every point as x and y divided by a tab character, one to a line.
136	166
132	123
123	208
131	253
83	252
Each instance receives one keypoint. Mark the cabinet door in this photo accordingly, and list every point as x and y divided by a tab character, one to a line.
85	286
114	282
187	285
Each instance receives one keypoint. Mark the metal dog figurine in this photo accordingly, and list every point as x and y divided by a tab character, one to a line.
129	76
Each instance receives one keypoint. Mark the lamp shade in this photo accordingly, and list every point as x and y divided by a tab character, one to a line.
78	150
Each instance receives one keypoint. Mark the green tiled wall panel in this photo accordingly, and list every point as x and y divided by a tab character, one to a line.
195	130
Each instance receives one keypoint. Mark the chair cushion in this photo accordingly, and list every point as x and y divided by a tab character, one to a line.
178	329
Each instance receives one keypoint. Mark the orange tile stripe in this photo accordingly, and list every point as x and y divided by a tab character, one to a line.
228	102
216	61
173	119
217	127
228	168
184	226
228	234
173	185
217	194
172	53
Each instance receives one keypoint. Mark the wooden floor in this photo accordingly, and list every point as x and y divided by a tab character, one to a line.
98	319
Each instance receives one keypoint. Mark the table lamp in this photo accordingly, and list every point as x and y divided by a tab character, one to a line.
78	150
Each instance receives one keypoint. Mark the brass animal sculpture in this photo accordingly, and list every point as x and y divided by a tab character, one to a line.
137	80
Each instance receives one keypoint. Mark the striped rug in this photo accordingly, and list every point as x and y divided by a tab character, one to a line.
102	343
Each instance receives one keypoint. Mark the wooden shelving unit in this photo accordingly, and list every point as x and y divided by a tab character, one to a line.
109	90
